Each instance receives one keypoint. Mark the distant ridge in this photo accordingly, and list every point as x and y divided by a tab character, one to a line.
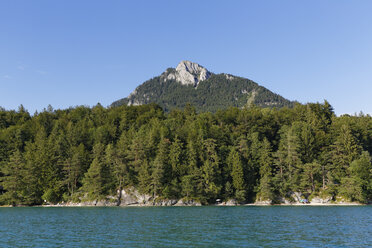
192	83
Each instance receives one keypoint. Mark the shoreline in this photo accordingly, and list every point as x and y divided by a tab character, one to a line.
216	205
312	204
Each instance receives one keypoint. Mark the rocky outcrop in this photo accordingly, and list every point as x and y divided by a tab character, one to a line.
267	202
296	196
319	200
290	199
189	73
165	202
183	202
231	202
283	200
229	77
95	203
131	196
132	99
128	197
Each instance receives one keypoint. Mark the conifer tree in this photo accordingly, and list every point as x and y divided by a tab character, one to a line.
210	169
265	188
344	150
161	165
357	186
288	158
74	167
144	178
96	179
310	174
176	157
237	174
13	179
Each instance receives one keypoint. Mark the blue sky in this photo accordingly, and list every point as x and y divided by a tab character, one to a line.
68	53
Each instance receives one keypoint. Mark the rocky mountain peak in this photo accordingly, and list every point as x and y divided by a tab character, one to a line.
176	87
189	73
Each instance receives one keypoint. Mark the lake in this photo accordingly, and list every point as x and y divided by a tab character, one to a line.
243	226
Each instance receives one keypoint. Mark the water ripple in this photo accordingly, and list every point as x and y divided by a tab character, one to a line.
278	226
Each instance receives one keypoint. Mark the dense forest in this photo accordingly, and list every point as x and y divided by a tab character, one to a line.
245	154
220	91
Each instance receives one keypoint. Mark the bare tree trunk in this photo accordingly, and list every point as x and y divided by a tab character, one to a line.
312	182
323	175
119	195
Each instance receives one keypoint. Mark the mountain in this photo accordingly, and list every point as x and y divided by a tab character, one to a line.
192	83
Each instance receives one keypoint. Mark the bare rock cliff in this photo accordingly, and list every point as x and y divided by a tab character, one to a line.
189	73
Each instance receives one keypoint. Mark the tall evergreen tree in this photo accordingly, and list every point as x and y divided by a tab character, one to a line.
96	179
74	167
237	174
13	179
265	188
288	158
344	150
161	165
210	170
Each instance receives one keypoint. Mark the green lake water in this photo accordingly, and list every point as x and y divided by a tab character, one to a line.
245	226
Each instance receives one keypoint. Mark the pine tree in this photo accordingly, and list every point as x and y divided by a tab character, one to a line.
210	170
307	146
137	152
344	150
310	174
96	179
357	186
252	167
13	179
74	168
123	172
93	180
161	165
144	178
237	174
265	188
188	184
176	157
288	158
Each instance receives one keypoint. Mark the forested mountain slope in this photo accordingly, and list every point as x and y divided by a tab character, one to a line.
192	83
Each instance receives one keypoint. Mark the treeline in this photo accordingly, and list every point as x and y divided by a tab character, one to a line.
244	154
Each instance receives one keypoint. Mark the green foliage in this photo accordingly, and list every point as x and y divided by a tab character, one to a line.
244	154
13	180
357	186
51	196
96	181
237	174
217	92
188	183
265	188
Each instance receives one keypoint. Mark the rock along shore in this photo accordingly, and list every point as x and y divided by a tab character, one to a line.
105	204
132	198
